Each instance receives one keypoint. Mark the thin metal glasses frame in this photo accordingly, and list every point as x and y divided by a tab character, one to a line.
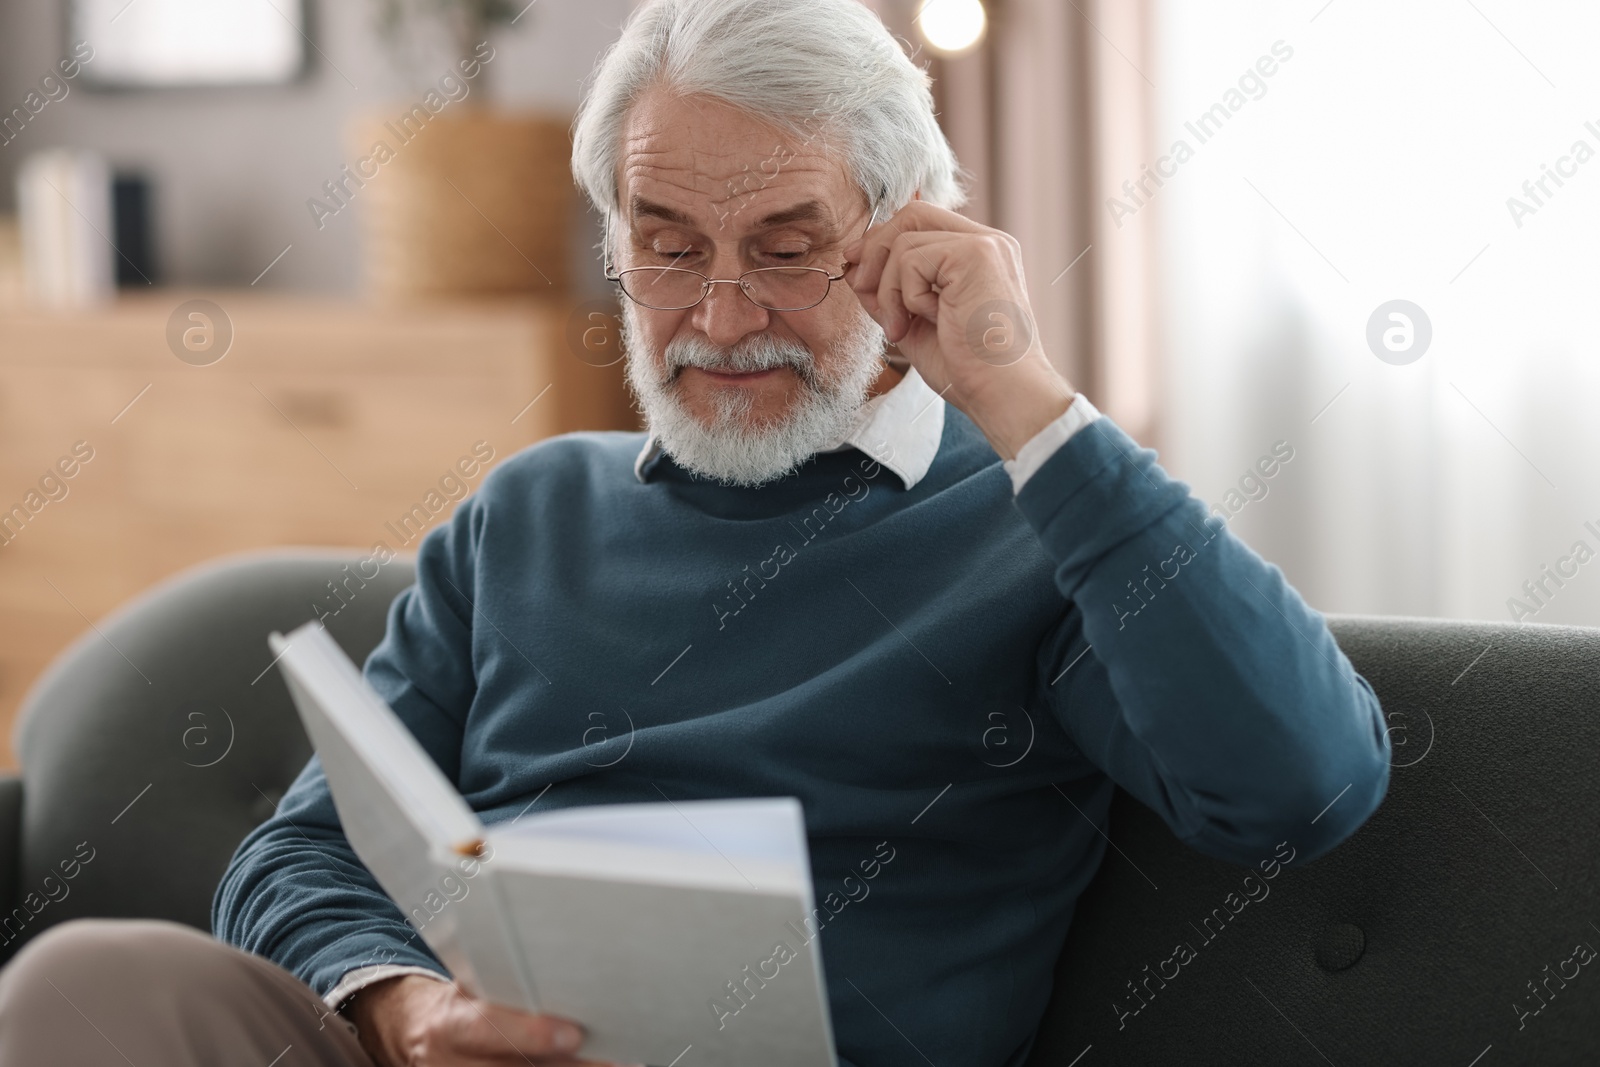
706	283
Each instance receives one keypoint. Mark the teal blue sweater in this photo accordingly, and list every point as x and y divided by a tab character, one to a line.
949	678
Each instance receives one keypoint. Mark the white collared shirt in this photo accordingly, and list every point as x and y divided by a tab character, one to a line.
902	427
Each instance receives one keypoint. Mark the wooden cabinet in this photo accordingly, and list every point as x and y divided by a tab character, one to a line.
323	422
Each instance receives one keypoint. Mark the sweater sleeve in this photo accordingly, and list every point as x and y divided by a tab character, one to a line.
1188	669
295	891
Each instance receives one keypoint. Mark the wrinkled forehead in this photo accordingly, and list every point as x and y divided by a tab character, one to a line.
705	160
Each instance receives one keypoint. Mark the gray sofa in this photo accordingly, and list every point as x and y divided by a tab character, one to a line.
1438	934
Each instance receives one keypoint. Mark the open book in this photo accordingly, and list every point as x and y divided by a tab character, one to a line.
675	933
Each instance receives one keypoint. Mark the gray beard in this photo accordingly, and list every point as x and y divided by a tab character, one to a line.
729	448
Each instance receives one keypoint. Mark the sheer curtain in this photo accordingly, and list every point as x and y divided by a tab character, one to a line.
1216	198
1053	106
1378	162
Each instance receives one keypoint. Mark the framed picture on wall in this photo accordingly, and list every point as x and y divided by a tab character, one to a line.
151	44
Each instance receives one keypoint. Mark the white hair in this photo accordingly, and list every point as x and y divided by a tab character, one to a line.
824	69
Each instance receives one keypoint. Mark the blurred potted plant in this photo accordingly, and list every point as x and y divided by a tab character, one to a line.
466	24
469	197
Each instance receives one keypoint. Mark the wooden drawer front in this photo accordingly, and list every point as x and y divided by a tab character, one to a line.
323	425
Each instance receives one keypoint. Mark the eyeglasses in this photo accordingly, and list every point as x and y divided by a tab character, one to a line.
677	288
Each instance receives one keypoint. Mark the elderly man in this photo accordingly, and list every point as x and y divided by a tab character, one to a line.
946	605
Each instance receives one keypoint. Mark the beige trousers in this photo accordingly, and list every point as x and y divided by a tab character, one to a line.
121	992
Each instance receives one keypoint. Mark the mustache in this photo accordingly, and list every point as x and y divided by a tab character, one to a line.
756	353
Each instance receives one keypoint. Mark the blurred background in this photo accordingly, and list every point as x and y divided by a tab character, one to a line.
280	272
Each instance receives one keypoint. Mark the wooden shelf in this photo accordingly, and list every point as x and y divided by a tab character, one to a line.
324	421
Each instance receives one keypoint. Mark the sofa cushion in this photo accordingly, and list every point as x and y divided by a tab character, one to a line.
1413	942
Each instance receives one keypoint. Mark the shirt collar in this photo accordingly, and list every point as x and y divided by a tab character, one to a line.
901	429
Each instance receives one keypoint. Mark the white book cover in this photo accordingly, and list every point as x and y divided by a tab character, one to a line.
675	932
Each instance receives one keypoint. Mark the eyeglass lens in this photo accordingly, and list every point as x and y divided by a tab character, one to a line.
776	288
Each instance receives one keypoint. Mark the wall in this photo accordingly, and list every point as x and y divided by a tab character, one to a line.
233	168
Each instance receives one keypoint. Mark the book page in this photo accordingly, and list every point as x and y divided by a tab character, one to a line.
406	822
673	934
766	832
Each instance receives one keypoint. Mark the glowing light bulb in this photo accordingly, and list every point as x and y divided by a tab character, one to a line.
952	26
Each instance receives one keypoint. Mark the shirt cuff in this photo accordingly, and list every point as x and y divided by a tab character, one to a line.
362	977
1042	445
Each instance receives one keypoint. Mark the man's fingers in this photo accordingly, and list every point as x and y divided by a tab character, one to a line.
866	264
868	271
872	251
917	293
492	1030
909	277
917	217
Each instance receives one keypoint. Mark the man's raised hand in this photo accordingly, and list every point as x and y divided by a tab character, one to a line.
950	294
